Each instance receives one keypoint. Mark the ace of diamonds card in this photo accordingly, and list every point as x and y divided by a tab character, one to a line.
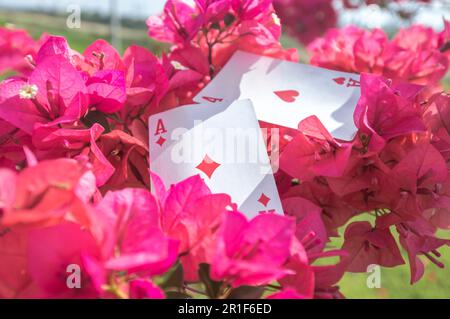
223	143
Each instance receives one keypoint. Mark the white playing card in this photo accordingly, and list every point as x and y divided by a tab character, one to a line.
223	143
284	93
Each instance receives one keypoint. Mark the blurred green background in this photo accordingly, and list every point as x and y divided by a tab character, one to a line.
394	282
38	23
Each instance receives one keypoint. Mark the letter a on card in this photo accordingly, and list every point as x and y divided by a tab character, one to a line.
160	129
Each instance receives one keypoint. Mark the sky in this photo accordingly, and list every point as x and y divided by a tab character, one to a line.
133	8
372	16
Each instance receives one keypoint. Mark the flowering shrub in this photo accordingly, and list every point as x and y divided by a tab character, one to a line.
75	184
306	20
417	54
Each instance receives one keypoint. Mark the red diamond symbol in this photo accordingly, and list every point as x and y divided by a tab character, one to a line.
161	140
263	199
207	166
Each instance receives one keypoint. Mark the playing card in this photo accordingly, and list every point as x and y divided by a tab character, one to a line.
223	143
284	93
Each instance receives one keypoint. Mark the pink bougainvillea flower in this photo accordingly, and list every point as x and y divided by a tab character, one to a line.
12	141
367	50
367	245
438	212
49	138
310	230
419	241
107	91
56	253
128	158
15	45
264	39
213	10
54	94
336	49
7	189
202	231
252	252
301	277
335	211
56	45
15	281
417	179
145	76
52	142
101	66
188	70
19	112
100	55
306	20
205	35
158	188
366	183
288	293
420	67
423	167
191	214
258	37
36	189
259	14
144	289
306	279
437	120
314	152
189	64
131	237
416	54
179	23
250	9
386	110
179	195
61	92
326	277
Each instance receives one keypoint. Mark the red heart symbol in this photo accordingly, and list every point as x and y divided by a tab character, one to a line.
339	81
288	95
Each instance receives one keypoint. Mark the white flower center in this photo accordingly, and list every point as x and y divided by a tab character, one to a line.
275	19
28	91
178	66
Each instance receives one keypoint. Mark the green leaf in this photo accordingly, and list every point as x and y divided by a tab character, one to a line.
212	287
96	117
229	19
215	25
174	279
